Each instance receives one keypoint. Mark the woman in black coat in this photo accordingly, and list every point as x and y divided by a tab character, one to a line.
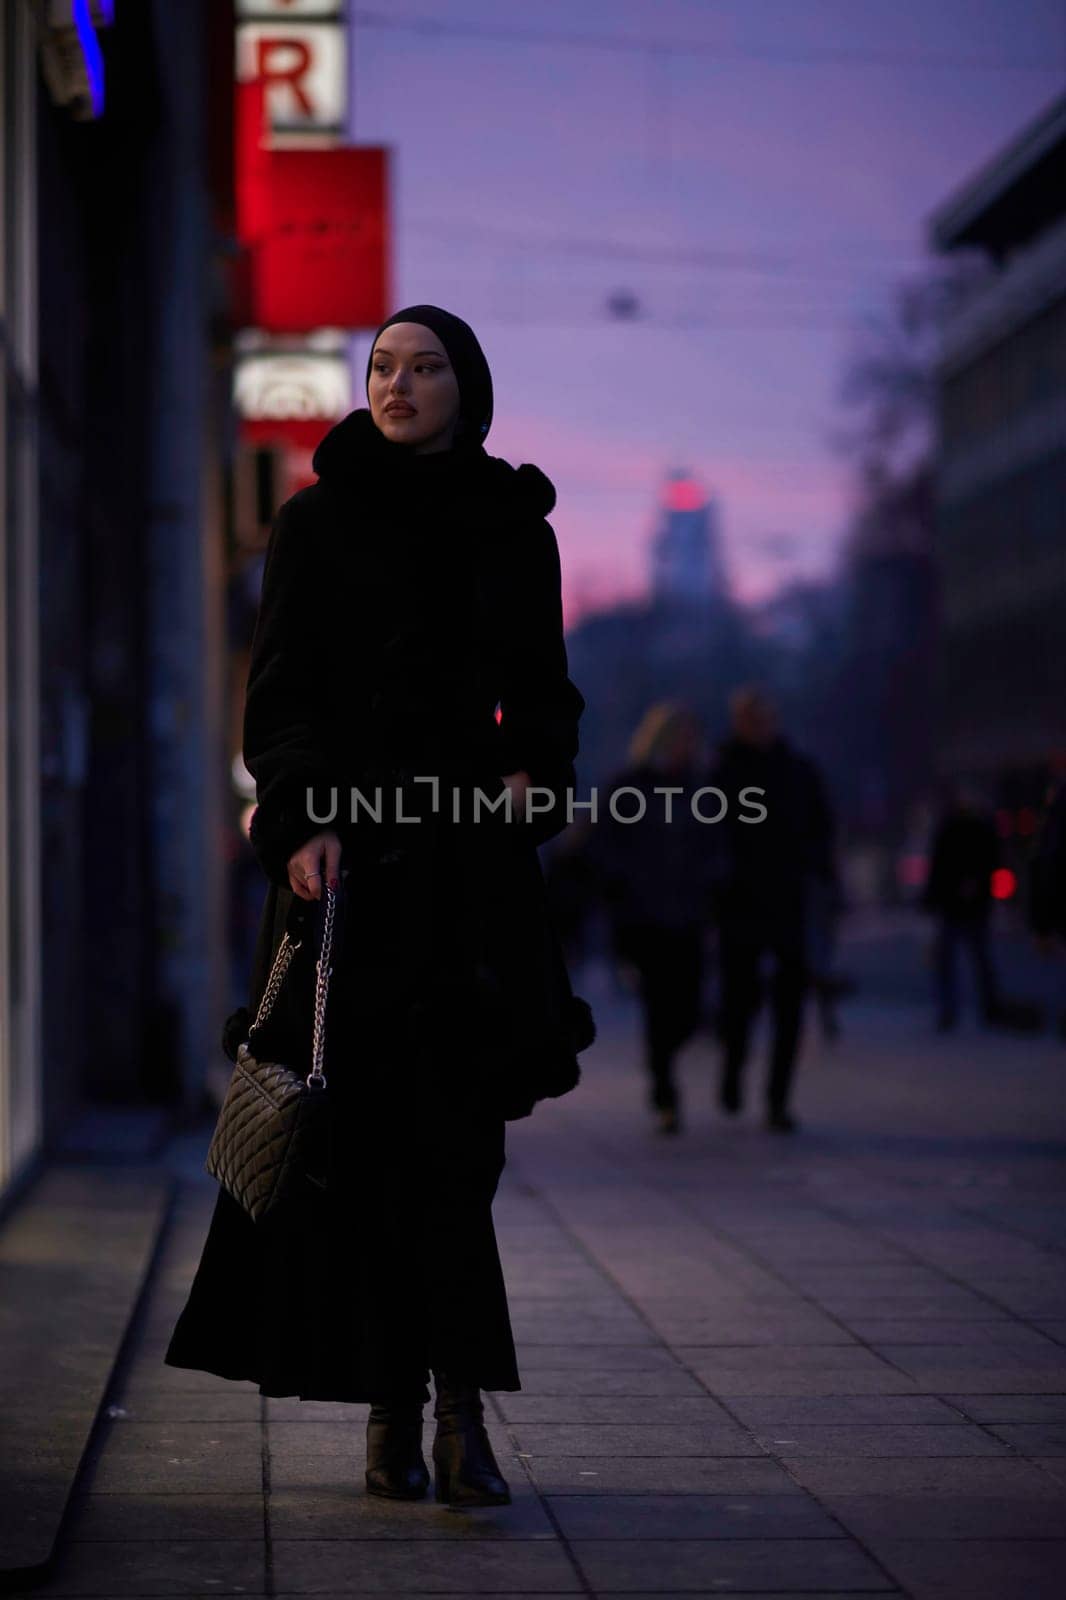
408	657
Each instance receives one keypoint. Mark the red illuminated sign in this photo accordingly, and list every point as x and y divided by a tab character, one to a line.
303	66
252	162
321	259
315	226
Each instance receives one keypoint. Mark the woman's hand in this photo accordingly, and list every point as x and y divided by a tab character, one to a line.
317	861
517	783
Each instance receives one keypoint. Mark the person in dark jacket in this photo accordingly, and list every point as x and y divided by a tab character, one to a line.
1046	900
1047	870
655	874
408	658
958	892
776	843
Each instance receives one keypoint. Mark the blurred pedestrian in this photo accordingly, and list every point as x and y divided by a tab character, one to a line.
1047	870
771	867
964	853
655	875
408	595
1047	880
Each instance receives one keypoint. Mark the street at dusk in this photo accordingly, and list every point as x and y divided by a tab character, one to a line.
831	1366
533	799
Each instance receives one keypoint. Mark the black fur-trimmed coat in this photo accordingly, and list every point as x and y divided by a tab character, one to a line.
410	627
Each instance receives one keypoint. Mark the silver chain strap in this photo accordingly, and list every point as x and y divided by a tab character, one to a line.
316	1078
286	950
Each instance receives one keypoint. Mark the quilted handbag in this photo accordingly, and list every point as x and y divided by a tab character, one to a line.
270	1133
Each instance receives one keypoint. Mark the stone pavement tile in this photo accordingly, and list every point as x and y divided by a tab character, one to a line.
142	1403
307	1512
1053	1328
1002	1332
159	1567
821	1242
341	1463
977	1569
423	1566
635	1439
332	1440
872	1517
151	1348
654	1285
606	1354
624	1475
521	1408
692	1516
994	1380
548	1322
859	1440
128	1517
320	1410
795	1370
941	1369
1034	1438
1045	1358
734	1565
896	1277
155	1374
765	1411
1004	1337
180	1458
1011	1407
1001	1477
1040	1298
543	1382
753	1327
331	1475
943	1304
554	1277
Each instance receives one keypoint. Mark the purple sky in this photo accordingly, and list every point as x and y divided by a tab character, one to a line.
759	196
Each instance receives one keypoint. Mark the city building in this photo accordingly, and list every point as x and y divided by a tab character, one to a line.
1001	473
686	556
113	421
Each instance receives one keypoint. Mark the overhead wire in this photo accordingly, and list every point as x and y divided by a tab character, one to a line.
659	45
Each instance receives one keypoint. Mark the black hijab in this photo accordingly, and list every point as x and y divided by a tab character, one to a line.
468	362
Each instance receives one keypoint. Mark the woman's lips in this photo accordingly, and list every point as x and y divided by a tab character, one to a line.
400	411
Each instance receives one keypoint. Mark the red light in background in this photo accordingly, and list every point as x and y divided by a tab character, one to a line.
1004	824
684	494
912	871
320	245
1004	884
1026	821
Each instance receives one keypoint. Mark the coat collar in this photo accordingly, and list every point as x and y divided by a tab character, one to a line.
356	455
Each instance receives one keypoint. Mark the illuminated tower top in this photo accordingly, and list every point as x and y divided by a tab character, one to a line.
686	557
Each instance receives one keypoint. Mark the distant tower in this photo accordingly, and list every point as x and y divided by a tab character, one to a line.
686	557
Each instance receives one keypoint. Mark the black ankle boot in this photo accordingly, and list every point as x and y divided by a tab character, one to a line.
395	1466
466	1471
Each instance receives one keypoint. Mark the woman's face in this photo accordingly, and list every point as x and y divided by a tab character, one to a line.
410	368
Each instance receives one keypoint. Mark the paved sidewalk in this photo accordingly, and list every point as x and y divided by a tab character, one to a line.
821	1365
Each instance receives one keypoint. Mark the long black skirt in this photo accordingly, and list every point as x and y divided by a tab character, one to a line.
357	1291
